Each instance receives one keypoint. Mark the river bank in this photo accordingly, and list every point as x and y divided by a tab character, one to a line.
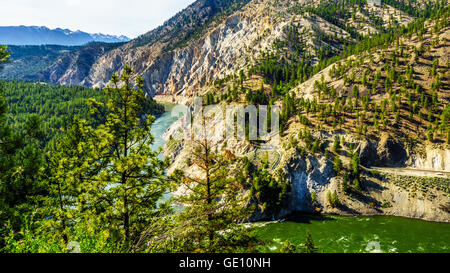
172	99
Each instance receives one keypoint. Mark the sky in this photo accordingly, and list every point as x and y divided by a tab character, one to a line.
118	17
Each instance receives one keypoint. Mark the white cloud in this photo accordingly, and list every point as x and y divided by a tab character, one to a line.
119	17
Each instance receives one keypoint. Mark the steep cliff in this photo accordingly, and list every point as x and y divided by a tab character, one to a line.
413	194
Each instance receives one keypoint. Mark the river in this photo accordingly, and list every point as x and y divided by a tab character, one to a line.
378	234
161	124
343	234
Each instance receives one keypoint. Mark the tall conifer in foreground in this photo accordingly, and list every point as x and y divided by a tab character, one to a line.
122	195
214	206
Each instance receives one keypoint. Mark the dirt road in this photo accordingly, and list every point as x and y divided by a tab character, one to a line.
413	172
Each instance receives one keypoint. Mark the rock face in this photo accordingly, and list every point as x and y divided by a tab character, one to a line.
390	152
314	175
170	65
385	152
368	153
434	159
157	54
380	196
420	208
308	175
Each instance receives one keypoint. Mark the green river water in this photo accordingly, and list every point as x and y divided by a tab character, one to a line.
344	234
377	234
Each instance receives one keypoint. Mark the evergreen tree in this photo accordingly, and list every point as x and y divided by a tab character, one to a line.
214	203
70	154
355	91
308	245
21	160
345	184
333	199
356	184
287	247
356	164
336	145
4	55
337	164
120	178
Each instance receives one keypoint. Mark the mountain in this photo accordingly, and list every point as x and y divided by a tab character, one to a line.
34	35
176	33
73	66
387	109
212	40
32	61
367	134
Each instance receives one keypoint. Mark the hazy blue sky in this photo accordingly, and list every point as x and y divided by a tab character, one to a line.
119	17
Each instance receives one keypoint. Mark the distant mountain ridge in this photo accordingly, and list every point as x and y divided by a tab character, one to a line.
37	35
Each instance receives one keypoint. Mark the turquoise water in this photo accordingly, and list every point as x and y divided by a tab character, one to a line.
344	234
160	125
336	234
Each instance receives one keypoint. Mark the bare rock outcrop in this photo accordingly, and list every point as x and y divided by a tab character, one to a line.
390	152
308	175
433	159
368	153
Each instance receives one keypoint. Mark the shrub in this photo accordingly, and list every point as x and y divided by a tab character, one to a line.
333	199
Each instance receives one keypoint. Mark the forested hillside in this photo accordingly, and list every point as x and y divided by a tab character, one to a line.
378	101
27	60
277	73
46	133
33	61
213	40
55	106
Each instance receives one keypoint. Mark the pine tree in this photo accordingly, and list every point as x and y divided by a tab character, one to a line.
448	135
308	245
126	178
355	91
70	153
4	55
21	160
214	202
345	184
287	247
356	164
356	184
335	199
336	145
337	164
